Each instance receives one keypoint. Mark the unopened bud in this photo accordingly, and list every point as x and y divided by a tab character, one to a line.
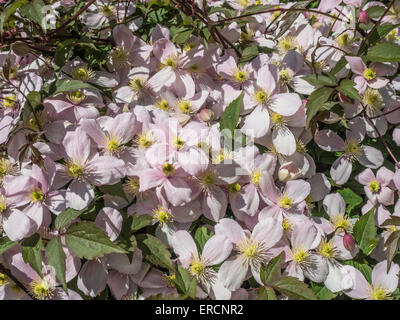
20	48
348	242
288	171
364	17
206	115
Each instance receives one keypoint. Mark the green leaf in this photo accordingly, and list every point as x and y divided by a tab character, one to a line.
230	117
266	293
391	247
56	257
9	10
346	87
392	221
322	292
201	237
339	65
381	32
66	217
88	241
62	53
384	52
351	199
248	54
31	252
35	12
181	37
154	251
273	267
376	11
364	231
324	79
114	190
181	279
66	85
6	243
34	99
316	101
139	222
256	8
293	288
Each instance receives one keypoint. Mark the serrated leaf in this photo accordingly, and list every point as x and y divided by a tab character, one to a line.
62	53
154	251
201	237
293	288
66	85
34	11
375	12
65	217
256	8
267	273
364	231
324	79
31	252
316	101
88	241
139	222
266	293
56	257
230	117
6	243
322	292
346	87
384	52
339	65
351	199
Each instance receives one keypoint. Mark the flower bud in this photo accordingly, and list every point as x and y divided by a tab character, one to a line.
348	242
206	115
364	17
288	171
20	48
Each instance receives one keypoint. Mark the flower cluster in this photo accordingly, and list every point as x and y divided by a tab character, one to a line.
202	149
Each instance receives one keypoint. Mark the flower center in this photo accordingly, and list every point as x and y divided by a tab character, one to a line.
286	75
343	40
372	98
261	96
234	188
197	267
240	75
285	202
378	293
352	148
3	279
6	167
144	140
82	73
162	215
184	106
369	74
162	104
300	255
374	186
36	195
286	224
252	252
107	10
9	102
255	177
76	97
41	289
277	118
168	169
137	84
243	3
132	186
327	250
171	61
3	205
75	170
170	279
287	43
120	55
178	142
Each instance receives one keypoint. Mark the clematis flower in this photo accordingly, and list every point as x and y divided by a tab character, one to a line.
341	169
215	251
383	283
84	167
251	250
